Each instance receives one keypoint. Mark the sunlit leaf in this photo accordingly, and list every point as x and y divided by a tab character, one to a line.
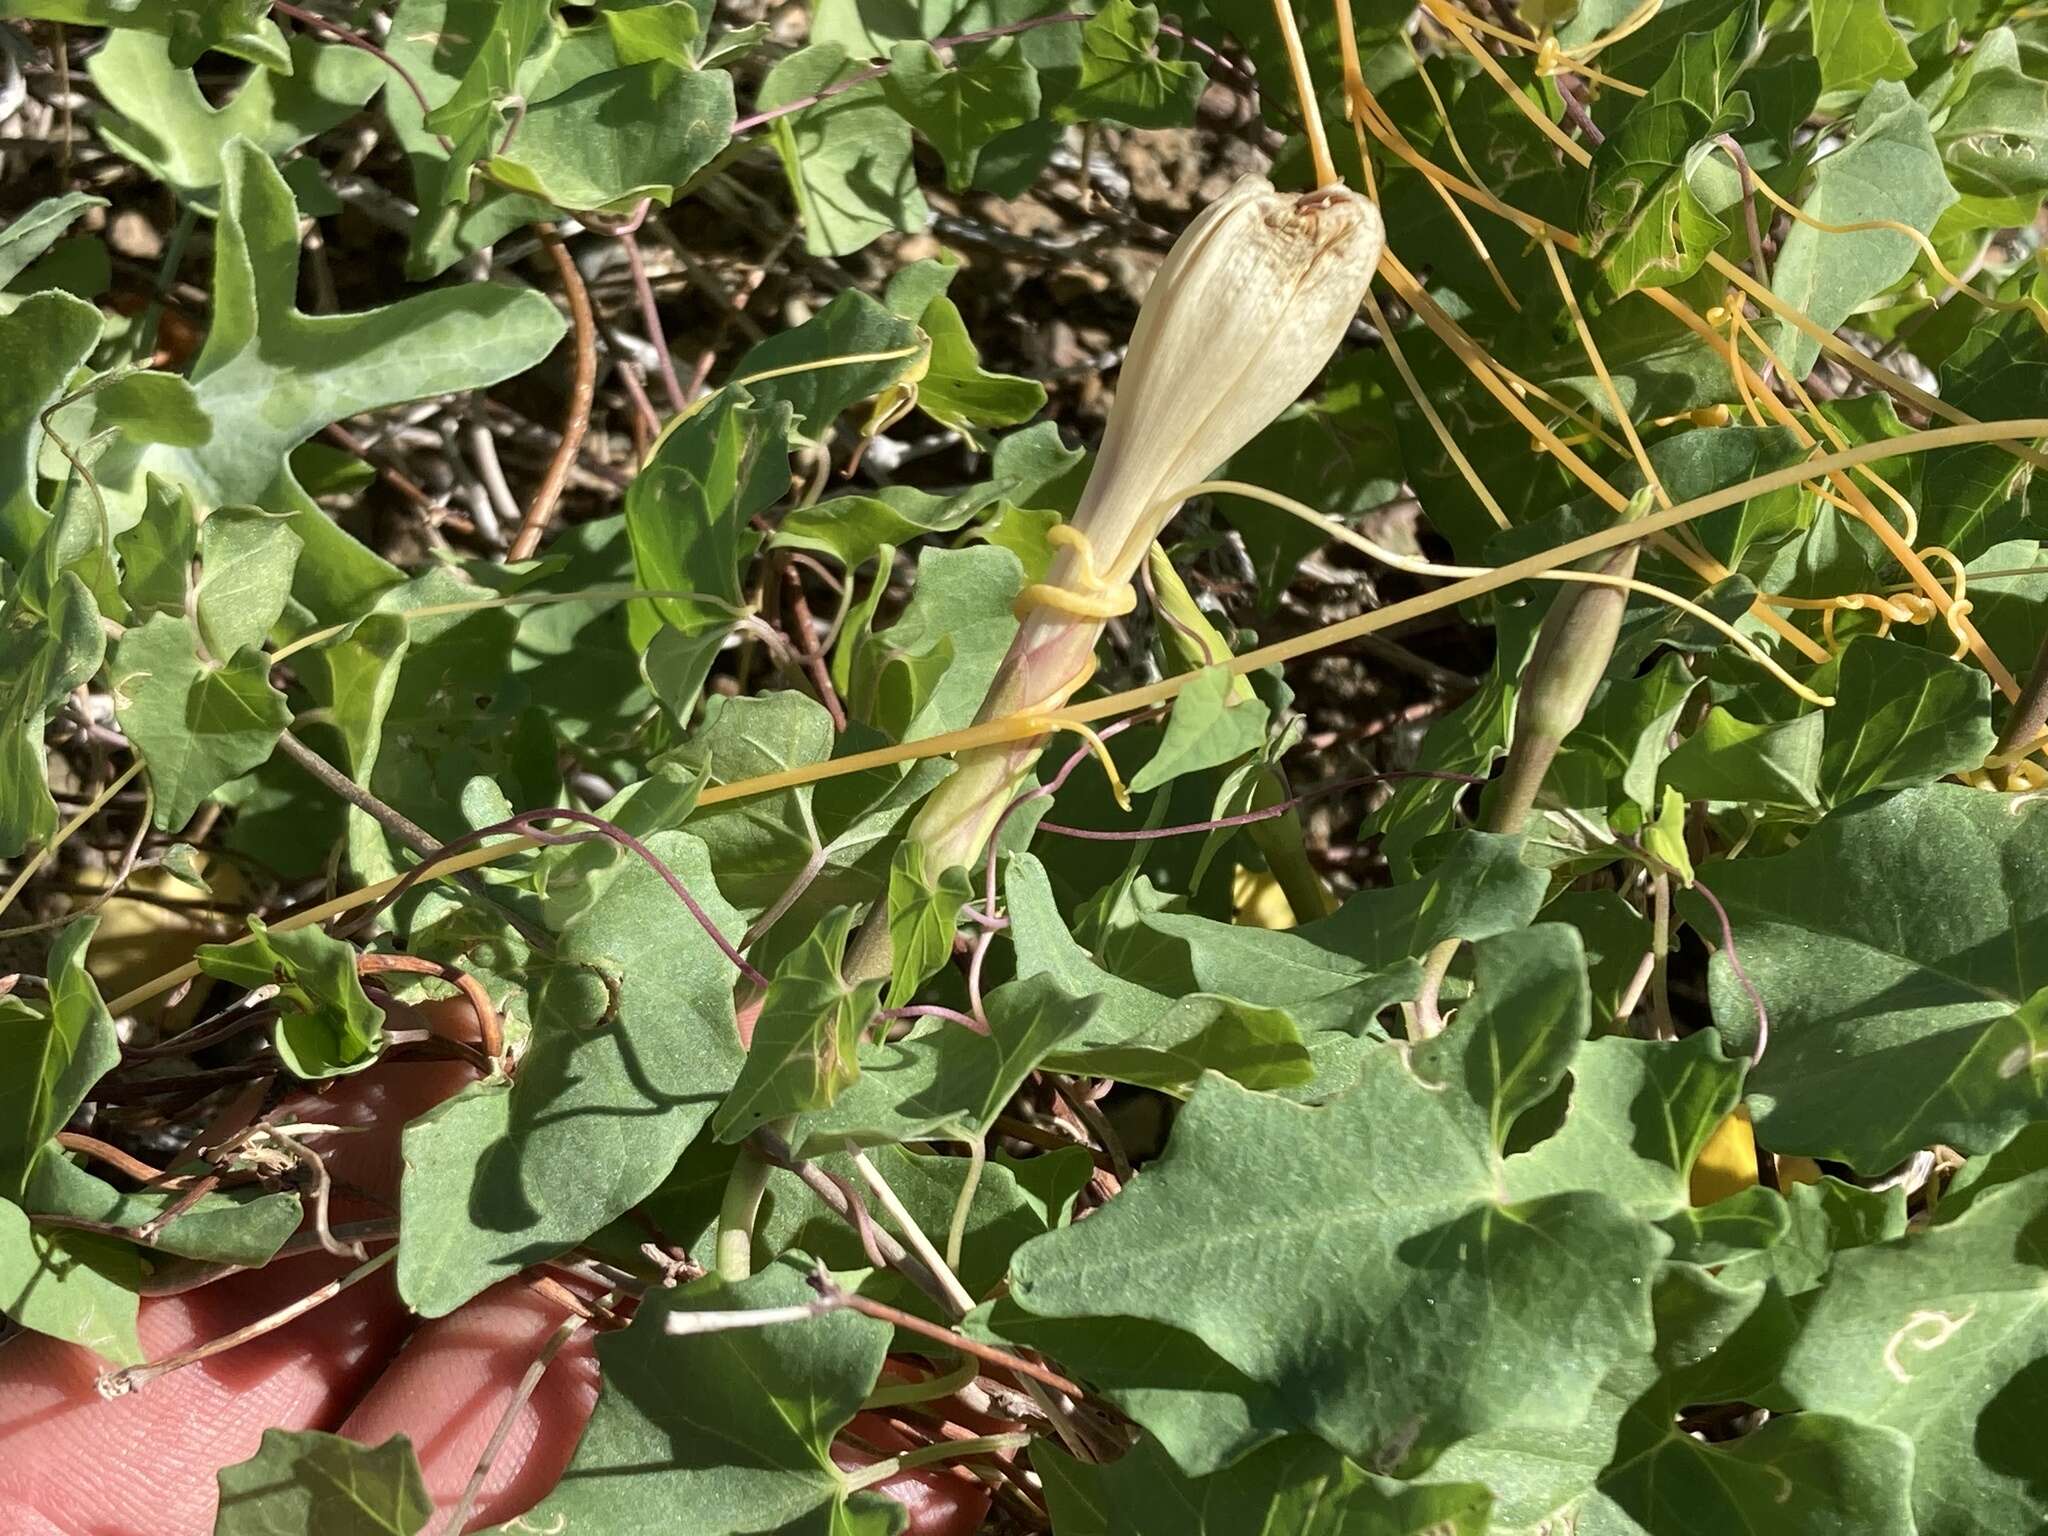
1893	947
306	1480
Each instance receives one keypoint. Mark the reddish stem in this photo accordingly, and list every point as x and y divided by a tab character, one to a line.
357	40
581	394
650	316
489	1030
1756	998
936	1011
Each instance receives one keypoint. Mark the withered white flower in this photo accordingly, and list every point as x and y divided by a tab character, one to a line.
1252	301
1250	305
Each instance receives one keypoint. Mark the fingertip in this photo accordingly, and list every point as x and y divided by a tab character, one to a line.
87	1466
448	1389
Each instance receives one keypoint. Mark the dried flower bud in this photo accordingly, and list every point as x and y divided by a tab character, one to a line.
1571	655
1250	305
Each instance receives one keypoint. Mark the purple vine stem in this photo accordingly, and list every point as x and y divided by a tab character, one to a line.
600	828
1756	998
526	824
935	1011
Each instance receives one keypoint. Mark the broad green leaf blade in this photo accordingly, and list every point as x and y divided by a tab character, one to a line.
1298	1486
140	406
303	1480
1210	726
924	910
989	91
1203	1411
1640	1113
474	115
854	529
157	554
1890	169
1976	494
50	335
805	1049
947	1082
1727	758
1806	1474
1902	716
165	123
43	657
1939	1335
54	1054
238	1226
759	842
1993	139
246	561
1337	972
438	43
848	158
70	1285
956	391
1382	1234
1645	224
618	137
1857	46
1610	762
687	510
929	671
30	233
711	1433
1123	78
1900	949
1139	1035
280	375
655	29
851	350
634	1045
241	28
197	724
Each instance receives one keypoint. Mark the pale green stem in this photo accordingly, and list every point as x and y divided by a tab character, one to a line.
1660	947
914	1236
977	1160
896	1393
739	1209
926	1455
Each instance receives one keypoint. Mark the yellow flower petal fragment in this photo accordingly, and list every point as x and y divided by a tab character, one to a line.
1727	1163
1256	901
1798	1170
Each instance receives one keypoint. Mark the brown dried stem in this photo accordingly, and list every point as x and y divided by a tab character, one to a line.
129	1378
911	1323
458	1520
490	1030
581	394
804	632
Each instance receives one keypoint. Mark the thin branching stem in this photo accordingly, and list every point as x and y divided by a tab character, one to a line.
529	1381
131	1378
